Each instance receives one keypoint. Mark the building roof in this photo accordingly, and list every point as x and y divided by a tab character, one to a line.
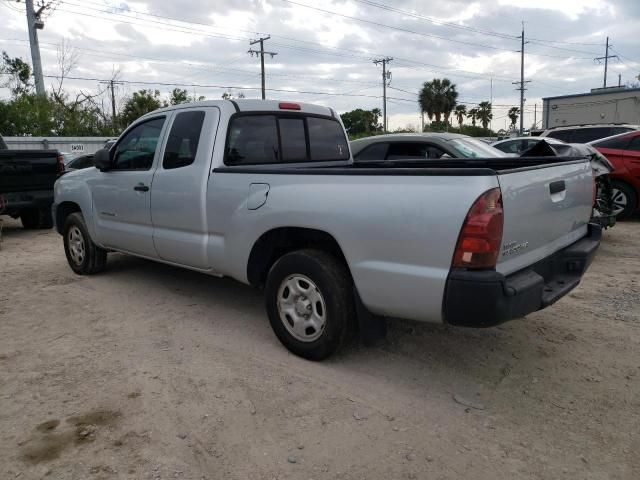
600	91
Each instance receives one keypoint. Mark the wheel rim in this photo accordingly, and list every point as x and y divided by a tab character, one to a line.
75	241
619	200
301	308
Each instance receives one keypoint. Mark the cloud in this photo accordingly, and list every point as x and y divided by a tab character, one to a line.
205	43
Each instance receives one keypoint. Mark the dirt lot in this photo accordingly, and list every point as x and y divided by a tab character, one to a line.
152	372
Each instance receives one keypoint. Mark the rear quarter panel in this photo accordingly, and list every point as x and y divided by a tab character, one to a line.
398	233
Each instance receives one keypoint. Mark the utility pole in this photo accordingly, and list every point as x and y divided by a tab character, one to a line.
491	100
606	61
619	79
111	84
522	81
386	77
261	53
535	114
34	23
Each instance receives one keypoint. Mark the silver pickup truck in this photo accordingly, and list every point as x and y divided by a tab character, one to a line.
266	192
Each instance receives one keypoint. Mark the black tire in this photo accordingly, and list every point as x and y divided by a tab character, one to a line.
76	237
29	218
333	282
629	194
36	218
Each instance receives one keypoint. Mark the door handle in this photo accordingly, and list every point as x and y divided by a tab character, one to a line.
557	187
141	187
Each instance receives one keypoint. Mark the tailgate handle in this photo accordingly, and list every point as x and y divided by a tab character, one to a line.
557	187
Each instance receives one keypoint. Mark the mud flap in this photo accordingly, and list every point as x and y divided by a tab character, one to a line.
373	328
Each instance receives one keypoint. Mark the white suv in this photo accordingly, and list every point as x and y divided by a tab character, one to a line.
587	133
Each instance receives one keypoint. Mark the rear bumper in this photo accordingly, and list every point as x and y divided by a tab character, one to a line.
488	298
17	201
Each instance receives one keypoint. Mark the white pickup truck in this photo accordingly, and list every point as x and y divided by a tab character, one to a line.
266	192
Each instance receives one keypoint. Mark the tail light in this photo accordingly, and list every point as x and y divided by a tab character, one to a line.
289	106
60	164
481	234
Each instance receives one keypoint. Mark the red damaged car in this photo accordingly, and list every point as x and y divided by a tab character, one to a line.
623	151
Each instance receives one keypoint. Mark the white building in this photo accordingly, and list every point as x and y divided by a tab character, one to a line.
601	105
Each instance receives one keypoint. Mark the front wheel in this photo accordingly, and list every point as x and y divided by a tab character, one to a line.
624	199
84	256
309	300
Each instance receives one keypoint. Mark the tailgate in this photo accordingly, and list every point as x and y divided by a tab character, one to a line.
546	208
27	170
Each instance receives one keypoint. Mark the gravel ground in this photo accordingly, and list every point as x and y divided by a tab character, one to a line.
152	372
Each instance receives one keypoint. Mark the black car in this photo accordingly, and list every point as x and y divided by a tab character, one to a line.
78	163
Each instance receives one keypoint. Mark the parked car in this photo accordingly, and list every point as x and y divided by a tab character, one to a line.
623	151
421	146
80	162
26	184
67	157
587	133
110	143
266	192
517	145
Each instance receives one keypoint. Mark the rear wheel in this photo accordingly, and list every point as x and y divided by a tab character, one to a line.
84	256
624	199
309	300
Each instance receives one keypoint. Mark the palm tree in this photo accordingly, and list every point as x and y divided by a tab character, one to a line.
438	98
473	115
460	111
513	114
484	113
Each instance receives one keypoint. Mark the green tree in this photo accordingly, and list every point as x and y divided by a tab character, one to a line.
460	112
359	121
140	103
179	96
437	98
473	115
513	114
18	73
231	96
484	113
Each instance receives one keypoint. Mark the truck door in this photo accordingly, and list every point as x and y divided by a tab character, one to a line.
122	196
179	190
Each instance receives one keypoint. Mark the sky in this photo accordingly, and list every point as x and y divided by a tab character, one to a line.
325	50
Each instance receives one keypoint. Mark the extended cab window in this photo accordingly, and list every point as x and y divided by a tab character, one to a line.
182	144
264	139
253	139
136	150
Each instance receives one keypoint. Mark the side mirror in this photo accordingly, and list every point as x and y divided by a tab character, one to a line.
102	159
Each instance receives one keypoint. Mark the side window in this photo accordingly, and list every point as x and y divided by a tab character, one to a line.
506	147
136	150
614	143
618	130
294	141
377	151
564	135
182	143
635	144
407	150
253	139
327	140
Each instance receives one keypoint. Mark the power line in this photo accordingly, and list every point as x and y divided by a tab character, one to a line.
406	30
438	22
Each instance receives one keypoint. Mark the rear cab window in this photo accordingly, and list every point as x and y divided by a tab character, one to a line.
260	139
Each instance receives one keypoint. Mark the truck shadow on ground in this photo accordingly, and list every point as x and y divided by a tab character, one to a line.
434	350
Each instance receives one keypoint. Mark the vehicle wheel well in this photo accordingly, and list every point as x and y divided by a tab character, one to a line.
63	211
277	242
